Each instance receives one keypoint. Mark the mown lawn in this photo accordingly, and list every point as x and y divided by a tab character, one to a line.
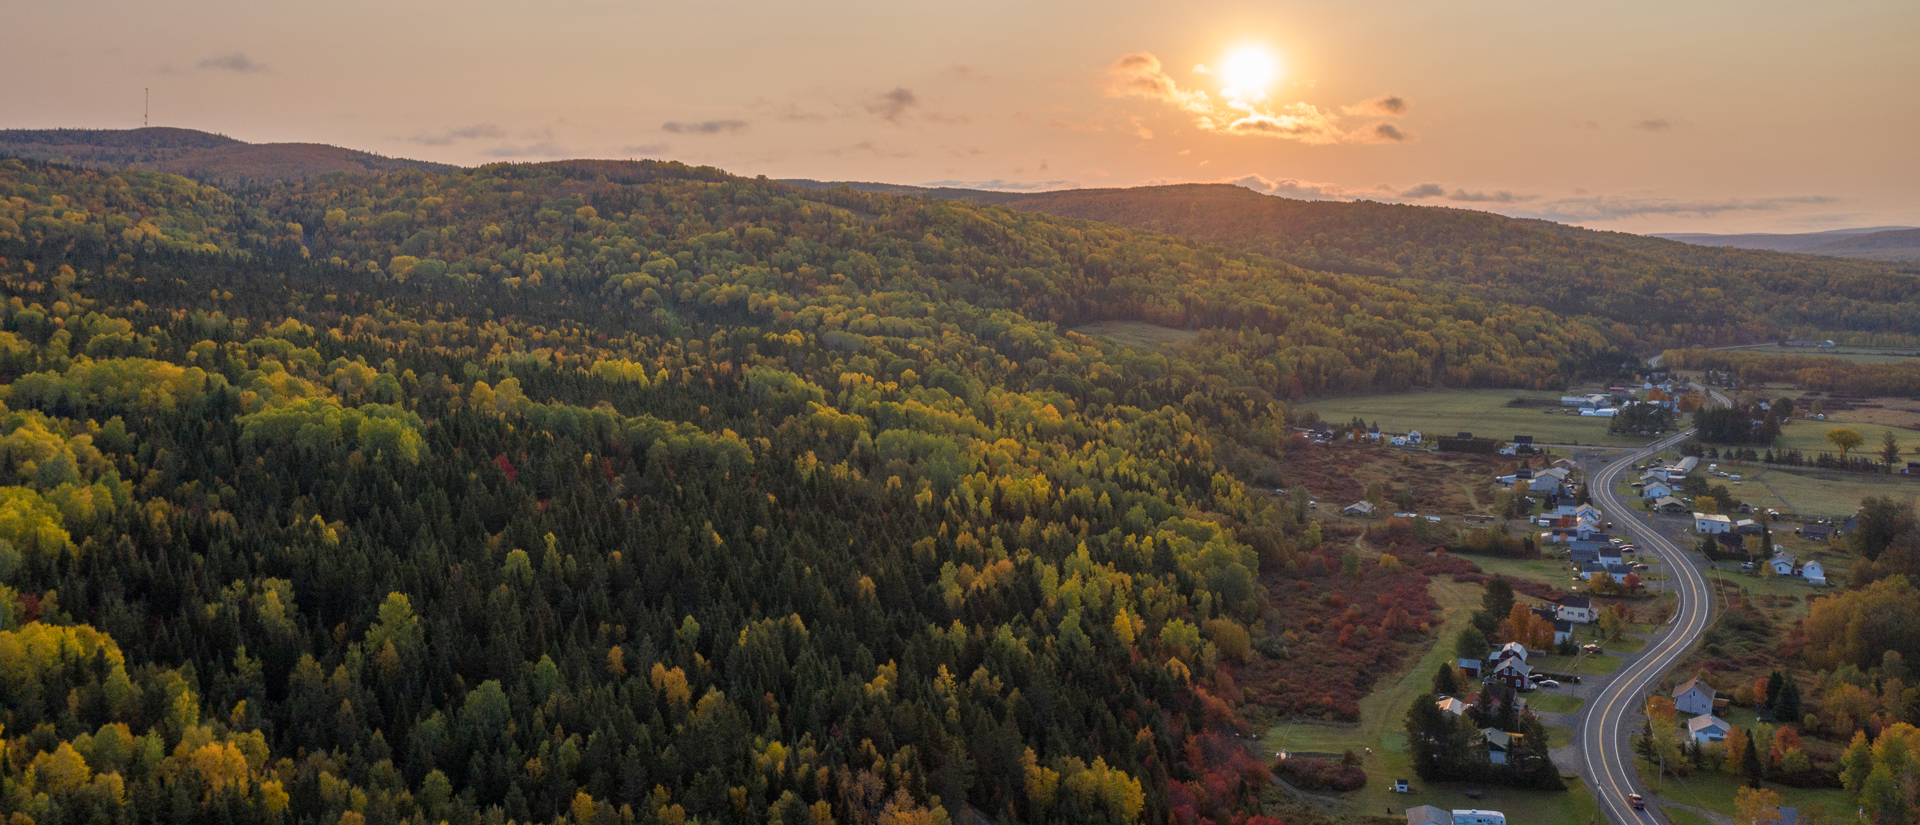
1589	665
1716	791
1482	412
1809	492
1546	701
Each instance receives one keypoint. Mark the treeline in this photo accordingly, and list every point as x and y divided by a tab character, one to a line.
1810	372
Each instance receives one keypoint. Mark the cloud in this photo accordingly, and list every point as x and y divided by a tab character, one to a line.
1302	190
1139	75
1383	106
1381	133
704	127
1502	196
1658	124
1425	190
1005	185
876	149
1614	207
235	62
1244	112
966	151
1139	129
443	138
893	105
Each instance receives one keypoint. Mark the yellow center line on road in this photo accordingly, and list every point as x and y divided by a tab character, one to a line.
1600	738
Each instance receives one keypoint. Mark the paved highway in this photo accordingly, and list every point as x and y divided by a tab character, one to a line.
1604	730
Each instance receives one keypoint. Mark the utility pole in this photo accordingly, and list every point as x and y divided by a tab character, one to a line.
146	108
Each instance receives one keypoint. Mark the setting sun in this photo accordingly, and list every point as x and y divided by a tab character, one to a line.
1250	69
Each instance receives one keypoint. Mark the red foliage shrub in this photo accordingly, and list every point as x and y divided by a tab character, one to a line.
1320	774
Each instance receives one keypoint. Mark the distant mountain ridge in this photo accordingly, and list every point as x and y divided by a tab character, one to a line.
200	155
1883	243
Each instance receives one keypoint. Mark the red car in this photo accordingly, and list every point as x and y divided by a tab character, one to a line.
1637	803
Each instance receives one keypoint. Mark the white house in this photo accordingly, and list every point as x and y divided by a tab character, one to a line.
1708	728
1511	650
1429	815
1453	706
1588	515
1782	564
1681	468
1814	573
1708	524
1575	609
1693	696
1656	489
1475	816
1359	508
1562	631
1413	438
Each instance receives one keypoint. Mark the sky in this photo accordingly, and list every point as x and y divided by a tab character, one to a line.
1669	116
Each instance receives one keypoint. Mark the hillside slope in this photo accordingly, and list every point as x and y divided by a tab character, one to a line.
638	492
1657	290
198	155
1774	241
1890	245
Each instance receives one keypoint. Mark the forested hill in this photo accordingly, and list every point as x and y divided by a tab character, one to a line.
196	154
613	492
1657	292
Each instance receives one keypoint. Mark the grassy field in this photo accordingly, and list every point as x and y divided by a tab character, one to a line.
1810	437
1589	665
1809	492
1481	412
1855	355
1546	701
1382	728
1681	816
1715	791
1138	335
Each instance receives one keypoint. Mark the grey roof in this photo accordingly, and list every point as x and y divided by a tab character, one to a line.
1690	684
1429	815
1706	720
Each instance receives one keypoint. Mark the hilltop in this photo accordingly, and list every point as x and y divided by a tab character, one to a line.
1655	290
1780	241
199	155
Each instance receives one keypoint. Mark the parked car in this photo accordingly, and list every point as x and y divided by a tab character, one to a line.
1639	566
1546	683
1746	565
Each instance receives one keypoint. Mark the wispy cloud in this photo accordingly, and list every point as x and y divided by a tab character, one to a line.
1428	191
704	127
868	147
894	105
1383	106
1250	112
1615	207
998	185
449	136
540	143
1656	124
234	62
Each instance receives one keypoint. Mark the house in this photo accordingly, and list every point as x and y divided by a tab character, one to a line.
1708	728
1471	667
1413	437
1562	631
1583	555
1912	469
1782	564
1601	412
1548	482
1616	570
1576	609
1587	514
1563	464
1513	672
1453	706
1359	508
1708	524
1511	650
1732	544
1748	527
1669	504
1693	696
1400	786
1682	468
1815	532
1429	815
1499	744
1656	489
1813	573
1788	816
1475	816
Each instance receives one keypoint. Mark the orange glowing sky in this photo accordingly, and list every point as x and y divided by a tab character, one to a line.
1640	116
